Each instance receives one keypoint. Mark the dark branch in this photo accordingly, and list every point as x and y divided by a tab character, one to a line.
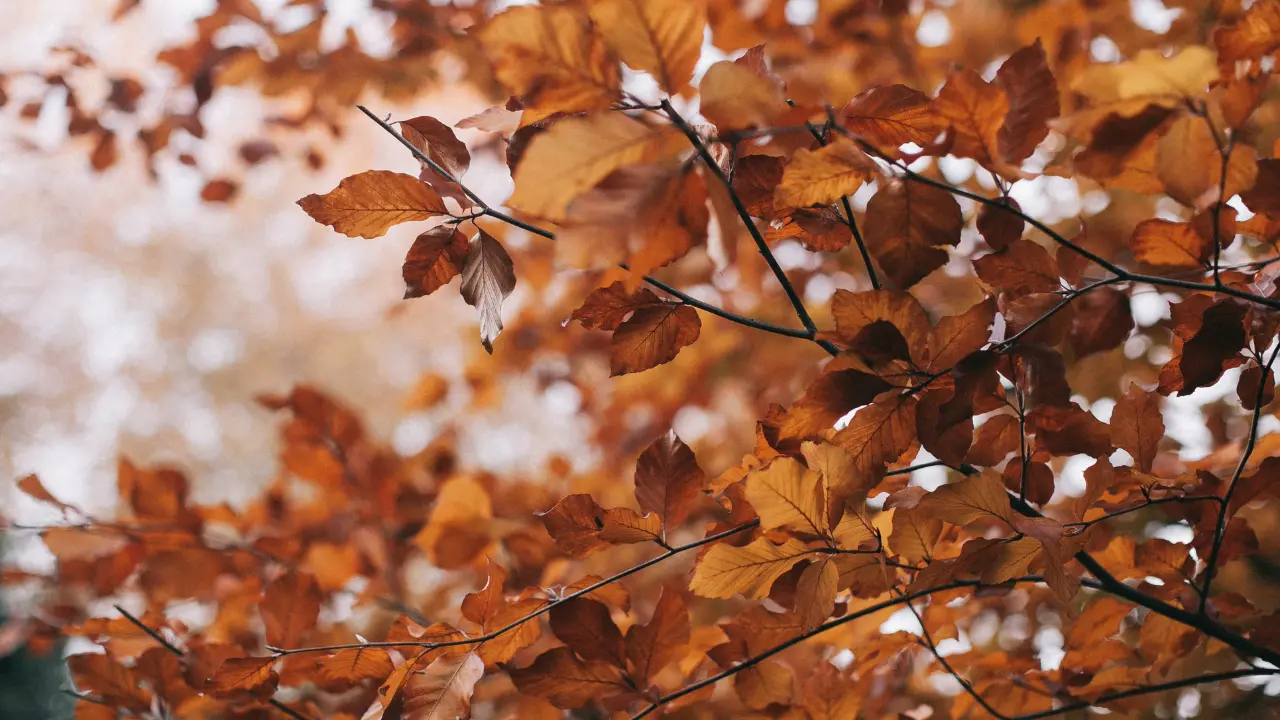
1145	690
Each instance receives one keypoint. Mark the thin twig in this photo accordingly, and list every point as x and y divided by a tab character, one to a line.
849	220
745	215
676	550
933	648
500	216
173	649
1220	530
1145	505
1146	690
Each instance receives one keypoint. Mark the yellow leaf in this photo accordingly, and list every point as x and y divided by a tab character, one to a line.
550	58
855	531
624	525
822	176
974	498
735	97
785	494
816	592
915	532
368	204
726	570
660	37
1151	76
1252	35
576	153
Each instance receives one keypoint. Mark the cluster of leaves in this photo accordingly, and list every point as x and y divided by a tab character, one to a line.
981	335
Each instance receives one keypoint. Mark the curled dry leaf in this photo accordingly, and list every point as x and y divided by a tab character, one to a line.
488	277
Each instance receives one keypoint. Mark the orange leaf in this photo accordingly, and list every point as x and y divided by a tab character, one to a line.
244	675
816	592
346	668
369	204
1032	94
785	493
624	525
32	486
974	498
822	176
104	677
606	308
442	691
892	115
976	110
660	37
435	258
652	646
906	226
652	336
668	479
550	58
290	607
587	628
735	97
1137	425
567	682
726	570
1252	35
575	523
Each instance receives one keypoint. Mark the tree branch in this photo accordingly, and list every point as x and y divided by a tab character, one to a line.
1220	530
849	220
1146	690
806	334
829	625
743	213
176	651
933	648
540	611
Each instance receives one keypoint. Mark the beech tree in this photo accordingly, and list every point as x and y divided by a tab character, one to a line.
825	224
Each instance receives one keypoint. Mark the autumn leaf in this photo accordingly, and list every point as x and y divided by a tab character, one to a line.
855	312
906	227
955	337
980	497
624	525
1032	94
487	279
550	57
1254	34
585	626
480	606
575	523
831	396
290	607
915	534
436	257
976	111
652	336
346	668
369	204
606	308
31	485
816	592
735	97
108	679
889	116
668	480
575	154
726	570
879	433
824	175
660	37
566	681
1137	425
652	646
1022	267
438	142
786	494
441	691
244	675
1151	76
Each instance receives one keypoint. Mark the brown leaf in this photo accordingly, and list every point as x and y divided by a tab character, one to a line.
976	111
1103	320
550	57
244	675
575	523
488	277
480	606
755	179
906	226
1022	267
1137	425
652	646
880	432
436	256
1000	227
765	684
1168	244
652	336
32	486
822	176
104	677
567	682
1254	34
606	308
1032	94
955	337
290	606
816	593
346	668
892	115
994	440
220	190
504	647
440	692
660	37
624	525
855	312
587	628
735	97
1219	339
438	142
368	204
1253	381
915	533
668	480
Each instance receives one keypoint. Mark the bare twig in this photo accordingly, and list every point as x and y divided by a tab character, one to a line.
1146	690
